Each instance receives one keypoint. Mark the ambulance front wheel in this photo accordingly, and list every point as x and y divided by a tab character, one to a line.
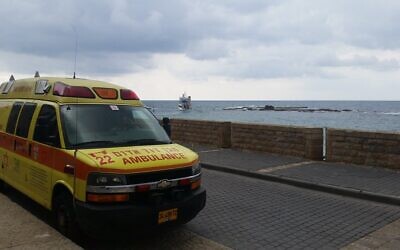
65	219
3	186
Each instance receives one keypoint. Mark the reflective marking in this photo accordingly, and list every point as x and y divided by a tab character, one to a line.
268	170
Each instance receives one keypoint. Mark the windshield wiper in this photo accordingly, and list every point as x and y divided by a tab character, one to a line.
94	143
145	142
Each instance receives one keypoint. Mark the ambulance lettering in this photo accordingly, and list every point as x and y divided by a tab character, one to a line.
125	153
171	150
153	157
102	157
151	150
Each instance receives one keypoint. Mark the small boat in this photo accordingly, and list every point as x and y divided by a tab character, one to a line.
185	102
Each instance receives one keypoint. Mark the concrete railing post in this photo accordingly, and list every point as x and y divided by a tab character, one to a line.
314	144
225	135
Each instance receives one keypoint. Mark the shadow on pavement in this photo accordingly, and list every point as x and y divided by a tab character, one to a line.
167	238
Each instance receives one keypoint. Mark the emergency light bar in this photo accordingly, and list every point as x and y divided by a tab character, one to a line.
127	94
62	89
106	93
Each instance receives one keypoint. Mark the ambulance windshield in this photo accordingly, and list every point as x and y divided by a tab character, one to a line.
100	125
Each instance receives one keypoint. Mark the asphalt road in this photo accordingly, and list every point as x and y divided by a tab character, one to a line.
241	213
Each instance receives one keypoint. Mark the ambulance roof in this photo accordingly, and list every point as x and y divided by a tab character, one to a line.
68	90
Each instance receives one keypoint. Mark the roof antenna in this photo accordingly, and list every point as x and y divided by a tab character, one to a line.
37	74
12	78
76	50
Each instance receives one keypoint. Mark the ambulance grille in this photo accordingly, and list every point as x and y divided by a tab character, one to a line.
160	175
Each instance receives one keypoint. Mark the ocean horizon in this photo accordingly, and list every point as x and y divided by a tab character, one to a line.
373	115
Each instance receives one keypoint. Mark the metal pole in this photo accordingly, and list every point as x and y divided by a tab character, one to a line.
324	142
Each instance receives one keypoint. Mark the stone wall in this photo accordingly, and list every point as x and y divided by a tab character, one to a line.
366	148
287	140
349	146
304	142
202	132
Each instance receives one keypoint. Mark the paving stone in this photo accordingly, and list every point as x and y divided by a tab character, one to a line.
236	158
372	179
283	215
20	227
25	225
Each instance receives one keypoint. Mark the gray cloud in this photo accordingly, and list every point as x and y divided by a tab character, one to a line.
102	26
296	37
359	61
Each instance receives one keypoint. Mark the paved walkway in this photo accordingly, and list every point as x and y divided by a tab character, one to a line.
364	182
371	183
23	226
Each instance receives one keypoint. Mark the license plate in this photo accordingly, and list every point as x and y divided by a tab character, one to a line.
167	215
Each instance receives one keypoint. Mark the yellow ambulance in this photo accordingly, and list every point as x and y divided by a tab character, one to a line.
90	152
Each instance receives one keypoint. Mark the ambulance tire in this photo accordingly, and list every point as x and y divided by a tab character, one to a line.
65	219
3	186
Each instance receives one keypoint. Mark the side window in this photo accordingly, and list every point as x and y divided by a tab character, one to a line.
46	130
25	119
12	119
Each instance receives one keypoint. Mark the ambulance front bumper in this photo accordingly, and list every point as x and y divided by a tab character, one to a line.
104	219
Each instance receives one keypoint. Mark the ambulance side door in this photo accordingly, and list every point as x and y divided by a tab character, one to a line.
5	109
22	161
45	143
10	171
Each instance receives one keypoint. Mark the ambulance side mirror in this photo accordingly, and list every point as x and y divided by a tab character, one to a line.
166	125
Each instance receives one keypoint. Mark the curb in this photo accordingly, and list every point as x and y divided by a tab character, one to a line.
327	188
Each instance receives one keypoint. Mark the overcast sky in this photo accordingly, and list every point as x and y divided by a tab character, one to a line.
213	50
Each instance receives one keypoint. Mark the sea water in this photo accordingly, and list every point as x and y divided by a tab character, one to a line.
364	115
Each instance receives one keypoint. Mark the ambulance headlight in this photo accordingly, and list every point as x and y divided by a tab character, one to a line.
196	168
99	179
